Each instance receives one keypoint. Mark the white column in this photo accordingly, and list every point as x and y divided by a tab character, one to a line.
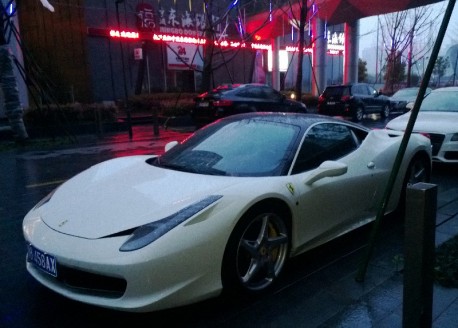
319	58
275	63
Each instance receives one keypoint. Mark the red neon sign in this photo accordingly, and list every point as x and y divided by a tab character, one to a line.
178	38
130	35
296	49
124	34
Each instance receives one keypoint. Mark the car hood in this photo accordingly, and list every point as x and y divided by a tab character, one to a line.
122	194
431	122
406	99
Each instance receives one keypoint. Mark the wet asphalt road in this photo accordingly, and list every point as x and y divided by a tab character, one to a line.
28	176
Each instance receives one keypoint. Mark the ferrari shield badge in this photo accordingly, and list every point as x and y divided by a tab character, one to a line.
290	187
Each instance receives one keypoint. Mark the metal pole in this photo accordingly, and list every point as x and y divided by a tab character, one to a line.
126	95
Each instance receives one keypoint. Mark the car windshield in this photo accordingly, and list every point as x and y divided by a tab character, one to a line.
237	148
440	101
337	91
406	93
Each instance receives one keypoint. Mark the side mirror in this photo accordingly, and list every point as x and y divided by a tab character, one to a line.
409	105
325	170
170	145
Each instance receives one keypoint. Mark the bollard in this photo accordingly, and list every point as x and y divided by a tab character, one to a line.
420	225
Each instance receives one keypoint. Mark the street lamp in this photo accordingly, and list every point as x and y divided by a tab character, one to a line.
126	96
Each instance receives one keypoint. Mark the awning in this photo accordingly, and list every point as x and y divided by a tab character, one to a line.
269	25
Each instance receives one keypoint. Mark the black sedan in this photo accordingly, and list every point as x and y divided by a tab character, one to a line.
402	97
241	98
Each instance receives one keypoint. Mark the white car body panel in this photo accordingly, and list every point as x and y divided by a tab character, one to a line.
129	192
442	123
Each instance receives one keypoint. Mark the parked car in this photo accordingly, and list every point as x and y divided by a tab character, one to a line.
353	100
242	98
402	97
224	210
438	117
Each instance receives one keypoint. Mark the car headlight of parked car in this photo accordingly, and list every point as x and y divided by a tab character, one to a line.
146	234
46	199
454	137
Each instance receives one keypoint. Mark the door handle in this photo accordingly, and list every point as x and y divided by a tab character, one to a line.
371	165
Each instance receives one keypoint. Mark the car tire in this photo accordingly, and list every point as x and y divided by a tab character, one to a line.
358	114
419	170
385	111
256	252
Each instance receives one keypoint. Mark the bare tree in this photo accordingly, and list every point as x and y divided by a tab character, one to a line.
300	55
8	80
422	26
440	66
408	31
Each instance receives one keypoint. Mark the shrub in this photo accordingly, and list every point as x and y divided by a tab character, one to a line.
167	104
69	114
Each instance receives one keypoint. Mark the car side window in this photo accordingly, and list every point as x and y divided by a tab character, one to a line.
323	142
251	93
364	90
372	91
271	94
357	90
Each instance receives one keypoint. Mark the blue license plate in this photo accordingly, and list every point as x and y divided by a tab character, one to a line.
42	260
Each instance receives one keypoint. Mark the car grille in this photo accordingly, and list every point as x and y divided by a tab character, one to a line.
92	283
436	142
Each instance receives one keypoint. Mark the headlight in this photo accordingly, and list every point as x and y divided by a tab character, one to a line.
454	137
146	234
46	199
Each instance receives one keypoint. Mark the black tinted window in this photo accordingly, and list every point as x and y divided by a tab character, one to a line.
250	92
336	91
360	90
271	94
327	141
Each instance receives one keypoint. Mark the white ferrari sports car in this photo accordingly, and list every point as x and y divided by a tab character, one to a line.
223	210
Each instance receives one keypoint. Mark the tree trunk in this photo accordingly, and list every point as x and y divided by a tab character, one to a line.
208	48
8	84
409	60
300	55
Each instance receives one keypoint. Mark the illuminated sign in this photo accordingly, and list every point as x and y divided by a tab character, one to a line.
130	35
178	38
296	49
124	34
336	38
260	46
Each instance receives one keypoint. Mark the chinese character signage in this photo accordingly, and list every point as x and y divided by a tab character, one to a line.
171	21
145	18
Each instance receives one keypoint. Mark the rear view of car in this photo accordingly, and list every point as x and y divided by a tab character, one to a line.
353	100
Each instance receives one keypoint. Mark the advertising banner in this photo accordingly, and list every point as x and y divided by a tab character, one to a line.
183	56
